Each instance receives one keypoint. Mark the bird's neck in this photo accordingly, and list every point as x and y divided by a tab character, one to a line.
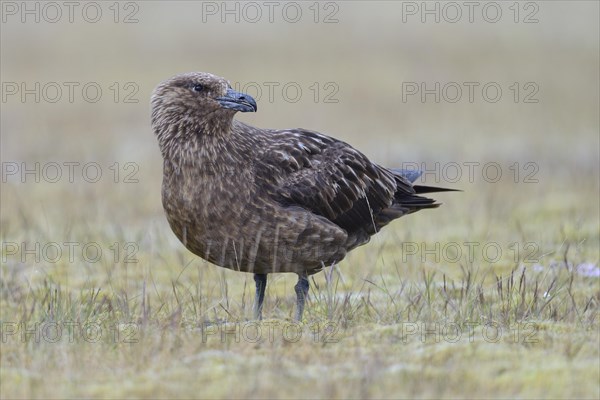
199	142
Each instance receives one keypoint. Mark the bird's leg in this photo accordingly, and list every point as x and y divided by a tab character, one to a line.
301	293
261	284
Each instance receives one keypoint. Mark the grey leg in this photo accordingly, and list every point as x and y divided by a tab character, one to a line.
301	293
261	284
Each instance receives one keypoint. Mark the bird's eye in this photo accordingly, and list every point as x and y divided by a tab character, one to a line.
198	88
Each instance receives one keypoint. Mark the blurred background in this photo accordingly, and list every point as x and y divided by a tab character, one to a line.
444	86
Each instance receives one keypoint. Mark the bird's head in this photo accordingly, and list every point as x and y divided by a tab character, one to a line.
196	102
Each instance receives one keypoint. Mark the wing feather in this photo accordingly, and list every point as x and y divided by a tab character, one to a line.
327	177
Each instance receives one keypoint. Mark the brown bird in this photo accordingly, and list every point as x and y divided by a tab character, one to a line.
264	200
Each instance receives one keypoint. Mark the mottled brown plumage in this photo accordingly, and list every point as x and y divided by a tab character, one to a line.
262	200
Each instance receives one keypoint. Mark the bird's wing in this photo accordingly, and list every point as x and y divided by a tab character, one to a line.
327	177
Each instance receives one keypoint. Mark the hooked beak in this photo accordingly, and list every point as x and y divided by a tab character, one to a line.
237	101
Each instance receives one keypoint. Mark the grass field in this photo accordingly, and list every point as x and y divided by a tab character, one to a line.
496	294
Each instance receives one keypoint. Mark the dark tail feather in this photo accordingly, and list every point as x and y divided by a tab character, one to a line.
432	189
409	203
418	203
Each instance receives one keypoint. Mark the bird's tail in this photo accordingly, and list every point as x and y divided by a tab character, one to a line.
406	201
432	189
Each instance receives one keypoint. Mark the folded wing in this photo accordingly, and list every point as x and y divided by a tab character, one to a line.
330	178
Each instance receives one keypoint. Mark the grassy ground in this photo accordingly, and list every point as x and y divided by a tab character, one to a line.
385	323
494	295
